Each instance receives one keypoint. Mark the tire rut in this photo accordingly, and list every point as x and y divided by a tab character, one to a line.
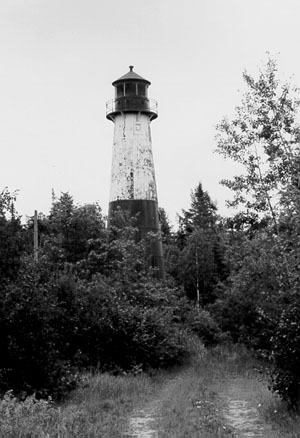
240	413
143	421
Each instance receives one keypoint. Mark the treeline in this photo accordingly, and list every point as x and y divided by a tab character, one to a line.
92	300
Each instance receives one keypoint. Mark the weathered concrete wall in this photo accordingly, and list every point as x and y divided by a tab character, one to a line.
132	175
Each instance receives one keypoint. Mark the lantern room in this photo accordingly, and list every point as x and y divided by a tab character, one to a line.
131	95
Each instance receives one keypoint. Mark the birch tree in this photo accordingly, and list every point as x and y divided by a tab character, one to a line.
263	137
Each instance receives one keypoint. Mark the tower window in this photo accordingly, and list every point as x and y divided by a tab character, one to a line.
130	89
120	90
142	90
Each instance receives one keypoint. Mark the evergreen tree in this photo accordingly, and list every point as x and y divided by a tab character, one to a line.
200	264
202	212
12	237
70	232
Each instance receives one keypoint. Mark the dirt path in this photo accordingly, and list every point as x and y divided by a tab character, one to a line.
143	421
240	412
202	404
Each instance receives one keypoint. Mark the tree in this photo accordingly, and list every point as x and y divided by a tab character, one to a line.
165	226
197	266
12	238
55	323
70	232
263	137
200	264
201	214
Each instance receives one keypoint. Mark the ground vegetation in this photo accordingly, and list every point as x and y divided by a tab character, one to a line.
89	299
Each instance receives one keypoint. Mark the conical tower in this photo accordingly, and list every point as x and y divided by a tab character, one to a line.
133	186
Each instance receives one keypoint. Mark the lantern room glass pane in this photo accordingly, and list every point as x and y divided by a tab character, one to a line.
130	89
142	90
120	90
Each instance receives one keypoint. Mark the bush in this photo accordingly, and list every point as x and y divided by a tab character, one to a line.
204	326
54	324
35	352
136	325
285	378
25	418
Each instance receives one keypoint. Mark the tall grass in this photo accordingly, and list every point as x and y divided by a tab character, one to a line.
189	402
189	409
193	407
99	408
237	363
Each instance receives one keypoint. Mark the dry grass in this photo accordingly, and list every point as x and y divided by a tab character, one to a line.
188	398
194	408
284	423
189	409
99	408
238	364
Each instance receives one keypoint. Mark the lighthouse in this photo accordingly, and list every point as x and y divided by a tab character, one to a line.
133	186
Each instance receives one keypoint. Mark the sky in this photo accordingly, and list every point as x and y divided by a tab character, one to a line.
59	58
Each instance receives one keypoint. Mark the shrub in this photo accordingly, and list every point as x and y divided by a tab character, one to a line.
25	418
136	325
54	324
285	379
35	353
202	323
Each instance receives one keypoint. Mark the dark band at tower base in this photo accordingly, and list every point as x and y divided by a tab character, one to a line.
145	219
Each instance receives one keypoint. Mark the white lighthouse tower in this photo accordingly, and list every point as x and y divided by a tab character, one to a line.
133	186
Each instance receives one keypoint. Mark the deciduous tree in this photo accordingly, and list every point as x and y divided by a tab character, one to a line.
263	137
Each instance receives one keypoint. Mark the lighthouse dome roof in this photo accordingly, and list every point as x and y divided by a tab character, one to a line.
131	76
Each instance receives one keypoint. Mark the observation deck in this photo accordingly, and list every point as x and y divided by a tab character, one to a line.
127	104
131	96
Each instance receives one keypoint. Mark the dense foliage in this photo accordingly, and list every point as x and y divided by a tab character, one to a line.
261	301
90	300
93	300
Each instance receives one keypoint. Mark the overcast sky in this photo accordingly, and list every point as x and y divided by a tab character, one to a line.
59	57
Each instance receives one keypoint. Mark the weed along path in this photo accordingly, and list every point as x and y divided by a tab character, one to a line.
241	413
144	422
218	396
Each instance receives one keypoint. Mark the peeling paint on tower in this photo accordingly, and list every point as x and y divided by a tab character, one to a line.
132	172
133	185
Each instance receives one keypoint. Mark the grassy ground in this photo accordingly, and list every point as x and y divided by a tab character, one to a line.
194	407
191	408
98	409
188	398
